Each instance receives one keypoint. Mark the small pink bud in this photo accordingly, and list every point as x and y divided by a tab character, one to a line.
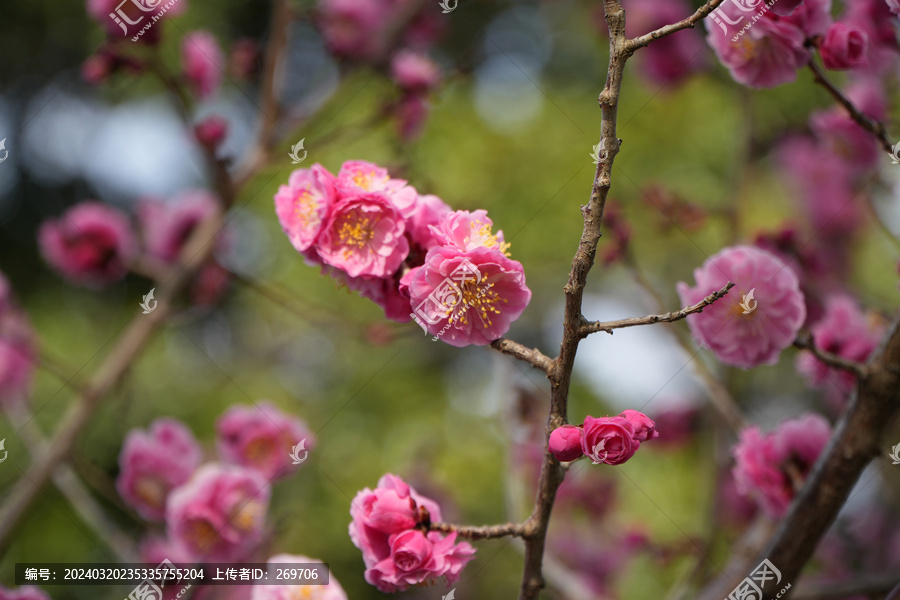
565	442
211	131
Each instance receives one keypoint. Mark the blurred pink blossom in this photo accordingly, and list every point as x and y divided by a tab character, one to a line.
668	60
330	591
414	71
397	555
18	348
91	243
219	514
28	592
844	47
812	17
411	111
764	462
738	336
203	62
492	297
166	226
844	331
211	131
261	437
875	19
429	210
357	29
154	462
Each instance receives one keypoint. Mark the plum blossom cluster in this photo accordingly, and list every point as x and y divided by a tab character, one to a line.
214	511
381	238
605	440
94	244
736	336
18	352
390	526
771	467
763	44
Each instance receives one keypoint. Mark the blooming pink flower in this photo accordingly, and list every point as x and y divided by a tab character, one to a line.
364	236
91	243
844	47
844	331
671	59
203	62
468	297
609	440
28	592
358	177
812	17
467	231
761	461
776	310
413	70
875	19
565	443
152	463
429	210
766	55
330	591
304	204
166	226
211	131
644	427
219	514
396	554
261	437
784	8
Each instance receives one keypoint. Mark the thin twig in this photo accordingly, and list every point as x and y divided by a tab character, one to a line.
806	342
532	356
874	127
482	532
642	40
608	326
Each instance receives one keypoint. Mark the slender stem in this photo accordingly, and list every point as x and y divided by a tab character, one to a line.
482	532
806	342
532	356
688	23
609	326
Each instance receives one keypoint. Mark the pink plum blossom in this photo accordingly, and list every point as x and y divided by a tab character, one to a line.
219	514
761	460
844	47
609	440
355	29
875	19
261	437
396	553
671	59
211	131
413	70
364	236
304	204
644	427
358	177
766	55
565	443
785	8
812	17
491	294
777	310
467	231
429	210
91	243
167	226
845	332
154	462
203	62
28	592
330	591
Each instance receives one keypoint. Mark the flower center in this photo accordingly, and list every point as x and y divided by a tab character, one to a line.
355	231
303	592
248	515
406	561
306	209
201	532
481	235
366	179
479	298
151	490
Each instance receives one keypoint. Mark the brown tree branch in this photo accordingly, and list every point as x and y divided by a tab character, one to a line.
852	446
874	127
482	532
532	356
806	342
689	23
608	326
